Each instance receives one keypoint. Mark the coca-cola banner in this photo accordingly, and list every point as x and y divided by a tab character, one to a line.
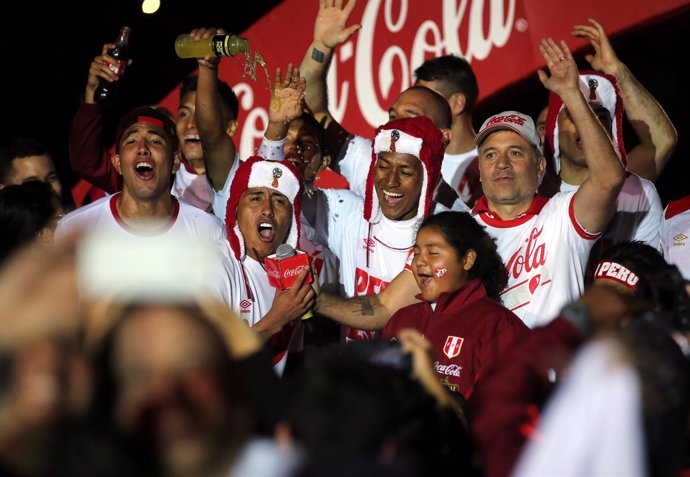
498	37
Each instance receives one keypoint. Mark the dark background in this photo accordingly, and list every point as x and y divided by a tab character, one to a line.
46	49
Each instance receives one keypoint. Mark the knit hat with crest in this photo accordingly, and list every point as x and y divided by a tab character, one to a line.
258	172
600	90
417	136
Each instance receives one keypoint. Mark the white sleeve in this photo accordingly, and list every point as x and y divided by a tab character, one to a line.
592	425
272	150
345	210
219	198
648	229
354	166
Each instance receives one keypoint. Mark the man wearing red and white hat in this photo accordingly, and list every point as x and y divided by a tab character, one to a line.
262	213
639	209
543	242
372	237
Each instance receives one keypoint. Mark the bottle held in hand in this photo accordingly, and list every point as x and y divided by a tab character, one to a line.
218	45
106	91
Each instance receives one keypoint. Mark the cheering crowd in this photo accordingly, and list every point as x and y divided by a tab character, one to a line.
511	301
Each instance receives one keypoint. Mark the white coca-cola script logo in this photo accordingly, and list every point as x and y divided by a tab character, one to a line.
448	369
485	23
529	257
293	272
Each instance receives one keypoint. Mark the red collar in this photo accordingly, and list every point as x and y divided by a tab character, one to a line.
163	229
492	219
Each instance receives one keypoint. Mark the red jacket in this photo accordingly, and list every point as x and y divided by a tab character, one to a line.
87	155
468	331
505	408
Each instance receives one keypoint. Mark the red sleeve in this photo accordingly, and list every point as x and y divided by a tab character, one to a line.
87	155
505	403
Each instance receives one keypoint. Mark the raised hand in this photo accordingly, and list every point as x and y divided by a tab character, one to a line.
208	61
564	75
287	98
604	58
103	66
287	305
330	28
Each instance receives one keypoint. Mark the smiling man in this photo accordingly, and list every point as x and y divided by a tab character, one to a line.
544	243
372	237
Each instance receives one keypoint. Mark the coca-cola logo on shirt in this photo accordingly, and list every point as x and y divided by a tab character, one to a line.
448	369
529	257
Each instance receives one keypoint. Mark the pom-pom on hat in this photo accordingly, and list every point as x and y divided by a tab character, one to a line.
258	172
600	90
154	115
417	136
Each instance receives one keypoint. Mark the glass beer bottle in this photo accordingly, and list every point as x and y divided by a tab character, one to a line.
106	91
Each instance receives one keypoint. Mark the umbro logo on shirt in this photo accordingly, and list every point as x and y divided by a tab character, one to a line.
679	240
246	304
369	245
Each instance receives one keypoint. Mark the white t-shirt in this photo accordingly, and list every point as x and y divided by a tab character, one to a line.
186	221
370	254
219	198
191	187
251	297
453	172
545	252
675	235
638	213
325	261
592	425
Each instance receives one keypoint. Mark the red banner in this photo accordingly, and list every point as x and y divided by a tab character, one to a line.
498	37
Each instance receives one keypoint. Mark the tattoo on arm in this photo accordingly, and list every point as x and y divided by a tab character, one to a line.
366	308
317	55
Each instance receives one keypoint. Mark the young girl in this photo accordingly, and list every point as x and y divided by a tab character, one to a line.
460	275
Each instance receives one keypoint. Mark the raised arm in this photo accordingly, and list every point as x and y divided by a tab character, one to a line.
657	136
219	148
330	30
88	155
370	312
595	200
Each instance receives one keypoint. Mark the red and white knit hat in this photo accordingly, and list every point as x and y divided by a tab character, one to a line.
417	136
258	172
600	90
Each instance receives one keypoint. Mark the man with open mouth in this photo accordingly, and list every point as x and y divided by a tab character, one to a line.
146	157
262	213
373	236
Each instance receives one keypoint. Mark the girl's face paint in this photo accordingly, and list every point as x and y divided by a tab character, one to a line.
436	265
